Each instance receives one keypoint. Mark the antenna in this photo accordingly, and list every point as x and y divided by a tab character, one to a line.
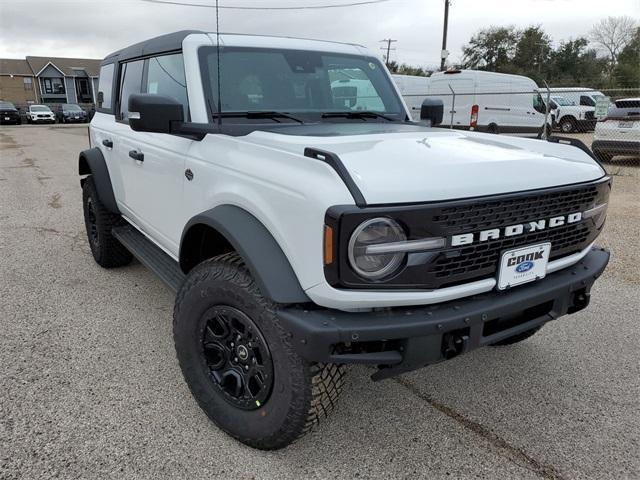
218	61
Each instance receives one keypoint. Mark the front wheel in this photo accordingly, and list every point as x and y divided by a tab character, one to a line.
240	363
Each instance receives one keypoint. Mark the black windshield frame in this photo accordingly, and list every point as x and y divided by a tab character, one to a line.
208	71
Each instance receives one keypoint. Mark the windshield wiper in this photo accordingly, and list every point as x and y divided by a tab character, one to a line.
357	114
273	115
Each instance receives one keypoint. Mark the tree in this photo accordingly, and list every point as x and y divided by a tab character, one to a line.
404	69
573	64
627	71
613	34
491	49
533	53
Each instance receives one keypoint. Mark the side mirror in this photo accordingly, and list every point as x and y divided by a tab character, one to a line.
432	110
154	113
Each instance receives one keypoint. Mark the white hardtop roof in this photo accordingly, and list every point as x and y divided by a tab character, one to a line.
291	43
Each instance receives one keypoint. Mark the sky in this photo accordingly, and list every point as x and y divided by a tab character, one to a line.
94	28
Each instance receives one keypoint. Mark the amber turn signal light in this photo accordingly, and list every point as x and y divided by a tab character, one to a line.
328	245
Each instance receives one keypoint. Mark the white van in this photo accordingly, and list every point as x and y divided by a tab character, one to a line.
585	97
414	90
488	101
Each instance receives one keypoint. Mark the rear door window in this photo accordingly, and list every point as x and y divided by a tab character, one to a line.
130	82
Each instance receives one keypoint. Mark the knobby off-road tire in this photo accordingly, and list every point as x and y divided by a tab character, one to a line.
517	338
107	251
221	290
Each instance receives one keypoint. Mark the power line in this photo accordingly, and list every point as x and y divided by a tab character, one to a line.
243	7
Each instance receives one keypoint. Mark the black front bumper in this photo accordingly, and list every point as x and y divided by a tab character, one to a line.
403	339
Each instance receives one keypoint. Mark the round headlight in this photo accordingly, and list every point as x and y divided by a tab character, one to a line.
374	232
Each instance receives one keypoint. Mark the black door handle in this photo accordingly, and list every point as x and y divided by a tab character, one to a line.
107	143
136	155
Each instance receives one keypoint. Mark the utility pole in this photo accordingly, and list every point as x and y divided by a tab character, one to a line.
388	48
444	53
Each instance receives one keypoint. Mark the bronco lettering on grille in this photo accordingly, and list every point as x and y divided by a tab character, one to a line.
513	230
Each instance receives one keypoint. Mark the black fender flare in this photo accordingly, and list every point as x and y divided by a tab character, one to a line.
92	162
260	251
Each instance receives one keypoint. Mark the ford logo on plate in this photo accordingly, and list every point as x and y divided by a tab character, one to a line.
524	267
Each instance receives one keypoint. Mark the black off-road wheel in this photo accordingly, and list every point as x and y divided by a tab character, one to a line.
239	362
517	338
107	251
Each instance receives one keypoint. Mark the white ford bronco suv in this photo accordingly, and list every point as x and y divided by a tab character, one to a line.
303	233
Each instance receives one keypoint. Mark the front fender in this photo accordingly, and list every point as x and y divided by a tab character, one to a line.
257	247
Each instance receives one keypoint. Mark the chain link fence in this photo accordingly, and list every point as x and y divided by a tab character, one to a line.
606	121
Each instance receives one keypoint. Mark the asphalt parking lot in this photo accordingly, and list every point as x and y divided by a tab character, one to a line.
90	386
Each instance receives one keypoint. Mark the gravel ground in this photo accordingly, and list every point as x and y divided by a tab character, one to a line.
90	387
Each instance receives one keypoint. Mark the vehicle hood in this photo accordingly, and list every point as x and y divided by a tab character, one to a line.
423	164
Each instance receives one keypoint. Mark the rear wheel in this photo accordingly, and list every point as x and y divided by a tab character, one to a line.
493	128
240	363
517	338
107	251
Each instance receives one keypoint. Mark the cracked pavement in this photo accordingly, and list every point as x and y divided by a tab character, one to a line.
90	387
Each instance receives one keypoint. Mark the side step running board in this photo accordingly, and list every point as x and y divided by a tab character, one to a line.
151	256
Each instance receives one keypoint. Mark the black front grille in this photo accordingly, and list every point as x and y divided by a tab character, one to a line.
477	261
501	213
481	260
463	264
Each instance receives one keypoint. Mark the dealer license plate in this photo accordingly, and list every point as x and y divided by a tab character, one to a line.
625	124
522	265
76	118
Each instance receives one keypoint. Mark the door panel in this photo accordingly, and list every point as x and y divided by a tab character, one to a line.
154	185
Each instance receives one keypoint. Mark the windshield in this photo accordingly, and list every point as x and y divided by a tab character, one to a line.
563	102
303	83
7	105
39	108
71	108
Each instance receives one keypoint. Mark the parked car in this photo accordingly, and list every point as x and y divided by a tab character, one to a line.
9	114
40	114
302	234
488	101
619	132
413	89
570	117
71	113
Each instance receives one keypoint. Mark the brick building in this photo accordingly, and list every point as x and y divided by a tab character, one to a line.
49	80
